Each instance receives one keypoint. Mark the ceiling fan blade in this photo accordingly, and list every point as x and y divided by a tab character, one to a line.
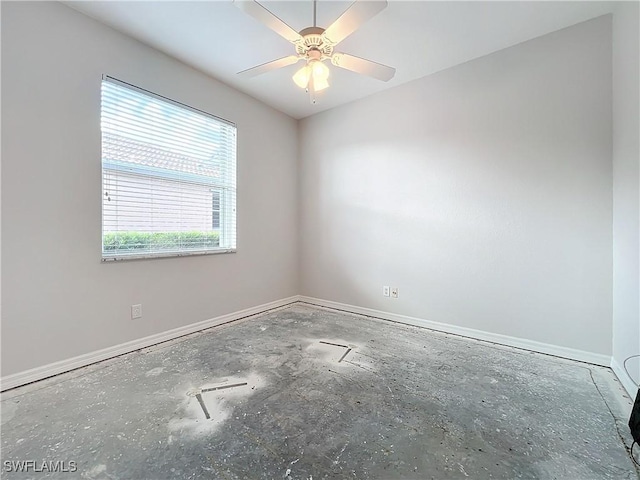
264	16
267	67
365	67
358	13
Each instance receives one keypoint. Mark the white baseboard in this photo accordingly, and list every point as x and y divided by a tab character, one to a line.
627	383
45	371
531	345
40	373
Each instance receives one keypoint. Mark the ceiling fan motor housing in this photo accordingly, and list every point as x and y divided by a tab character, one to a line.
312	41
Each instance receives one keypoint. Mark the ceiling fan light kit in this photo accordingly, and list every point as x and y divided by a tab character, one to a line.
315	71
314	45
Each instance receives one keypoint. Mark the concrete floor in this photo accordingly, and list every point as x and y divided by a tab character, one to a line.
403	402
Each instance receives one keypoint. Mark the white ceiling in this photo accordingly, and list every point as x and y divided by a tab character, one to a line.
416	37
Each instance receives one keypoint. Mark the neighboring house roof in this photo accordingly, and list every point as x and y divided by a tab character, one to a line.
123	151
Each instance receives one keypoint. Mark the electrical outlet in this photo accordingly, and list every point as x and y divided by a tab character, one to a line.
386	291
394	292
136	311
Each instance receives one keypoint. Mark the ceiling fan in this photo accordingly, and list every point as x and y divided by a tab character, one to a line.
314	45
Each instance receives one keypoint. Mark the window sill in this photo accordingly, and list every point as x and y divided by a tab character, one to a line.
148	256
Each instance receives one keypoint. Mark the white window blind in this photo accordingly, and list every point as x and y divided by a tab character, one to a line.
168	176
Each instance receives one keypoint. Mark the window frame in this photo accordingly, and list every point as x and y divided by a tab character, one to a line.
221	191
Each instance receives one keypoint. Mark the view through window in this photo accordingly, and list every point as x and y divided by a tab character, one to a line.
168	176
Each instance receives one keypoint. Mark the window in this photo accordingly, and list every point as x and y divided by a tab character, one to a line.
168	177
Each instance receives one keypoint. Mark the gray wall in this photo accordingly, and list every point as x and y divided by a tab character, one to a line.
484	192
626	198
59	301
